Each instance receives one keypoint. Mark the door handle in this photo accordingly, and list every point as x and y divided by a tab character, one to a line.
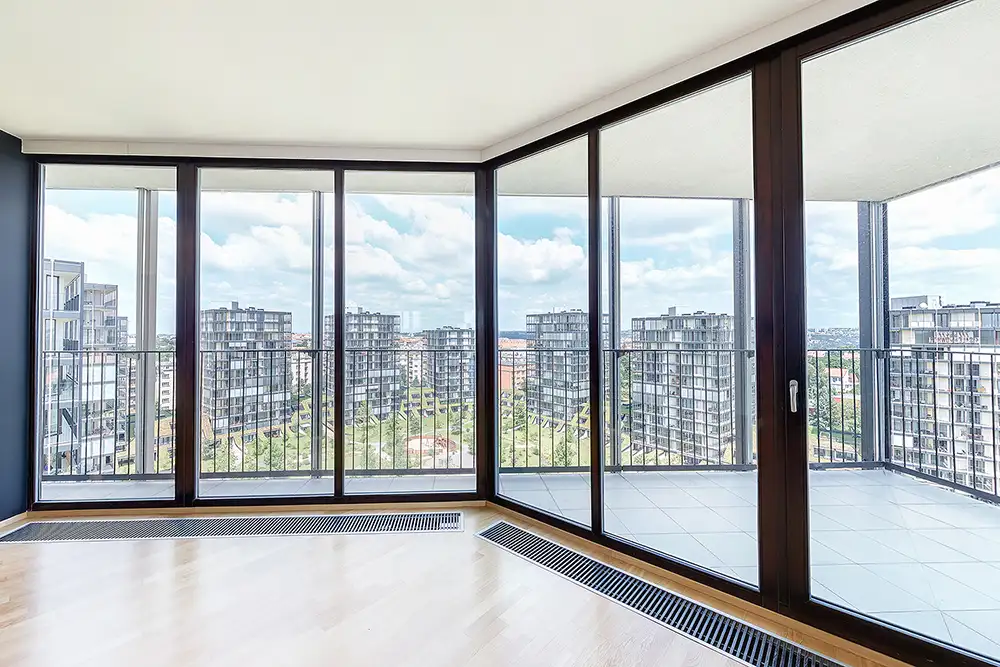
793	395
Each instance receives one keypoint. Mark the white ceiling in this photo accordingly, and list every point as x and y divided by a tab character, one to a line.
902	110
299	76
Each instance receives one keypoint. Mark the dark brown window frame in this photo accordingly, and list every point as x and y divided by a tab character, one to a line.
780	347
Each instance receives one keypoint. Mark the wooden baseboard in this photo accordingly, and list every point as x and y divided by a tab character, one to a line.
17	518
795	631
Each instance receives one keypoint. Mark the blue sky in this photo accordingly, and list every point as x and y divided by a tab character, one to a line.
413	255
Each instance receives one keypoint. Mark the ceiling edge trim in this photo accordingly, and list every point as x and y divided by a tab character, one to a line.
810	17
244	151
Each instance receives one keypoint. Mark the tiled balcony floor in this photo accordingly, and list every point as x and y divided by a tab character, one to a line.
889	545
906	551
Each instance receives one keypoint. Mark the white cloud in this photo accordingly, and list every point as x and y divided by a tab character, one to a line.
510	206
108	247
418	258
258	249
962	207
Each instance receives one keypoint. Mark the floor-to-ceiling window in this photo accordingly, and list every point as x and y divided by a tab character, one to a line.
680	455
543	374
409	332
902	229
105	411
265	420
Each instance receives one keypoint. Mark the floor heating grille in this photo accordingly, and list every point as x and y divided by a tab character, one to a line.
151	529
718	630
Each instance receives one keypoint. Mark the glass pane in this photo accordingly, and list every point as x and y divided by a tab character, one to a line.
259	347
106	425
680	463
542	302
833	364
409	333
904	314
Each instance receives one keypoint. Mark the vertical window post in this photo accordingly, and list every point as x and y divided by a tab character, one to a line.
596	321
486	334
187	400
338	331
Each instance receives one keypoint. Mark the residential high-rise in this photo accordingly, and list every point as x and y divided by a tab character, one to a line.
682	386
373	368
411	349
558	387
944	383
103	329
87	396
165	383
246	377
449	366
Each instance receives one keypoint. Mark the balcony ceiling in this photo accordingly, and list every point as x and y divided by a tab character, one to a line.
883	117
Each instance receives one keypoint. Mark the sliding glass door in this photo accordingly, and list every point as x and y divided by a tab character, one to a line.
902	222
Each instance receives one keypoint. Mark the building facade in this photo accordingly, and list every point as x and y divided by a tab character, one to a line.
245	370
449	364
512	377
88	391
374	367
682	391
558	386
944	384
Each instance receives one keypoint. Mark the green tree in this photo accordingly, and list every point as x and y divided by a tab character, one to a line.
834	417
394	432
565	452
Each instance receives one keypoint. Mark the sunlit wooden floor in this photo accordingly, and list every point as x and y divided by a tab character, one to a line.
404	599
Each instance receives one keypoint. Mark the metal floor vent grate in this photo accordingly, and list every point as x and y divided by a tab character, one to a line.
152	529
713	628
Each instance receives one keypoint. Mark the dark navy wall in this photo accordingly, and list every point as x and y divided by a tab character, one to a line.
16	283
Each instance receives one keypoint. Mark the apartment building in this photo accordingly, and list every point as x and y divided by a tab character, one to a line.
103	328
165	382
246	374
411	347
86	394
512	377
449	364
373	364
944	380
559	385
682	386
